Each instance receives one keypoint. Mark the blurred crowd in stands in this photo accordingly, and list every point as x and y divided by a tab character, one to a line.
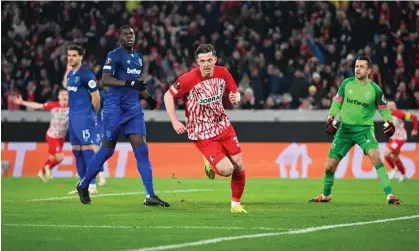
283	55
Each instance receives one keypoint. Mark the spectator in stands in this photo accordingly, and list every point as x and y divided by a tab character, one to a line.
271	48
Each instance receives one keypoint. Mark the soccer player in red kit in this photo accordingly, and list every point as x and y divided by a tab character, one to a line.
208	125
398	139
56	132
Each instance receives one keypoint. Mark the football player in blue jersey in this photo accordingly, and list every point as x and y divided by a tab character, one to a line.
84	104
122	112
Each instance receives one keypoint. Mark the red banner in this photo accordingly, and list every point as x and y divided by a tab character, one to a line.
281	160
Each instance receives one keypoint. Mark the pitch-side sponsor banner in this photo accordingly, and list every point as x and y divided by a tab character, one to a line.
274	160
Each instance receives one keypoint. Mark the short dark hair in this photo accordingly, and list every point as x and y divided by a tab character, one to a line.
123	28
205	48
366	58
76	47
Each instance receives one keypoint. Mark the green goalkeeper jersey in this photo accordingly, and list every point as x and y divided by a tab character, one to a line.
357	104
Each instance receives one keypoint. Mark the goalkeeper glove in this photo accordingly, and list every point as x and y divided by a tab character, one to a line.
332	125
389	128
136	84
152	103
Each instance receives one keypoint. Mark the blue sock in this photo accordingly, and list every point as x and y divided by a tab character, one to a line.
88	156
95	164
144	167
80	163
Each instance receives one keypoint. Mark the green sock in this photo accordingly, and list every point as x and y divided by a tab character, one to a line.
383	178
329	178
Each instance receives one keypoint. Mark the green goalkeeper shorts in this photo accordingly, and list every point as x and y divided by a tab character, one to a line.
345	139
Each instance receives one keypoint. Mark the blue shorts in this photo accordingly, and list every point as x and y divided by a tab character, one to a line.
83	132
114	122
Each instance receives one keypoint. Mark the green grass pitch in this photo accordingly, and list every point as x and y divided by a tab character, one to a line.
41	216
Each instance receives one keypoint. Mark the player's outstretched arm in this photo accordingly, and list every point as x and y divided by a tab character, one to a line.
33	105
169	102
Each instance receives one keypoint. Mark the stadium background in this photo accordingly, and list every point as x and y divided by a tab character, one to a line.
288	59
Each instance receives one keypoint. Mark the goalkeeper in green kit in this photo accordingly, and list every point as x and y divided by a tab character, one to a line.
357	100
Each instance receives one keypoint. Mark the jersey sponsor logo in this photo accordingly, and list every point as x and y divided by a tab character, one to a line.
133	71
210	100
356	102
72	88
107	67
92	84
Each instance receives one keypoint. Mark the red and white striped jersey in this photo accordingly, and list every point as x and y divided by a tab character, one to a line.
206	117
59	120
399	117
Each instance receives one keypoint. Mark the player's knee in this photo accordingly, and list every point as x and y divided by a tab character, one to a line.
108	143
226	169
59	157
332	165
137	140
387	152
238	165
375	157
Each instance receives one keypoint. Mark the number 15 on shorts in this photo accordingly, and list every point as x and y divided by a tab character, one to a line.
86	134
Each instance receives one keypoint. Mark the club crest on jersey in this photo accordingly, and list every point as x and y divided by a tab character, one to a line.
108	61
128	61
210	100
367	94
76	79
177	85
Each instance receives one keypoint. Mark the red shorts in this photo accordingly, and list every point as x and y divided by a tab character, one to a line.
395	145
55	145
215	149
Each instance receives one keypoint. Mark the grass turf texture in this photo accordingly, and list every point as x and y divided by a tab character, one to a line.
123	223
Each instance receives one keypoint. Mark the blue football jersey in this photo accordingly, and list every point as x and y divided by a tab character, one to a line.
124	65
80	85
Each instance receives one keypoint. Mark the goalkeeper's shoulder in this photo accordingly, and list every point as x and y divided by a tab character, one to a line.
375	85
347	81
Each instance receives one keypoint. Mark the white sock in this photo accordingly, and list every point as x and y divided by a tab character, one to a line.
234	203
92	186
147	196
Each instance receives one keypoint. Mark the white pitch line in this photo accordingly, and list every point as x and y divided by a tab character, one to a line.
139	227
290	232
121	194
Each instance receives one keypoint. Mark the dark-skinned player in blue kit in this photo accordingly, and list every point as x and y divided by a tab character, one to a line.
122	112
